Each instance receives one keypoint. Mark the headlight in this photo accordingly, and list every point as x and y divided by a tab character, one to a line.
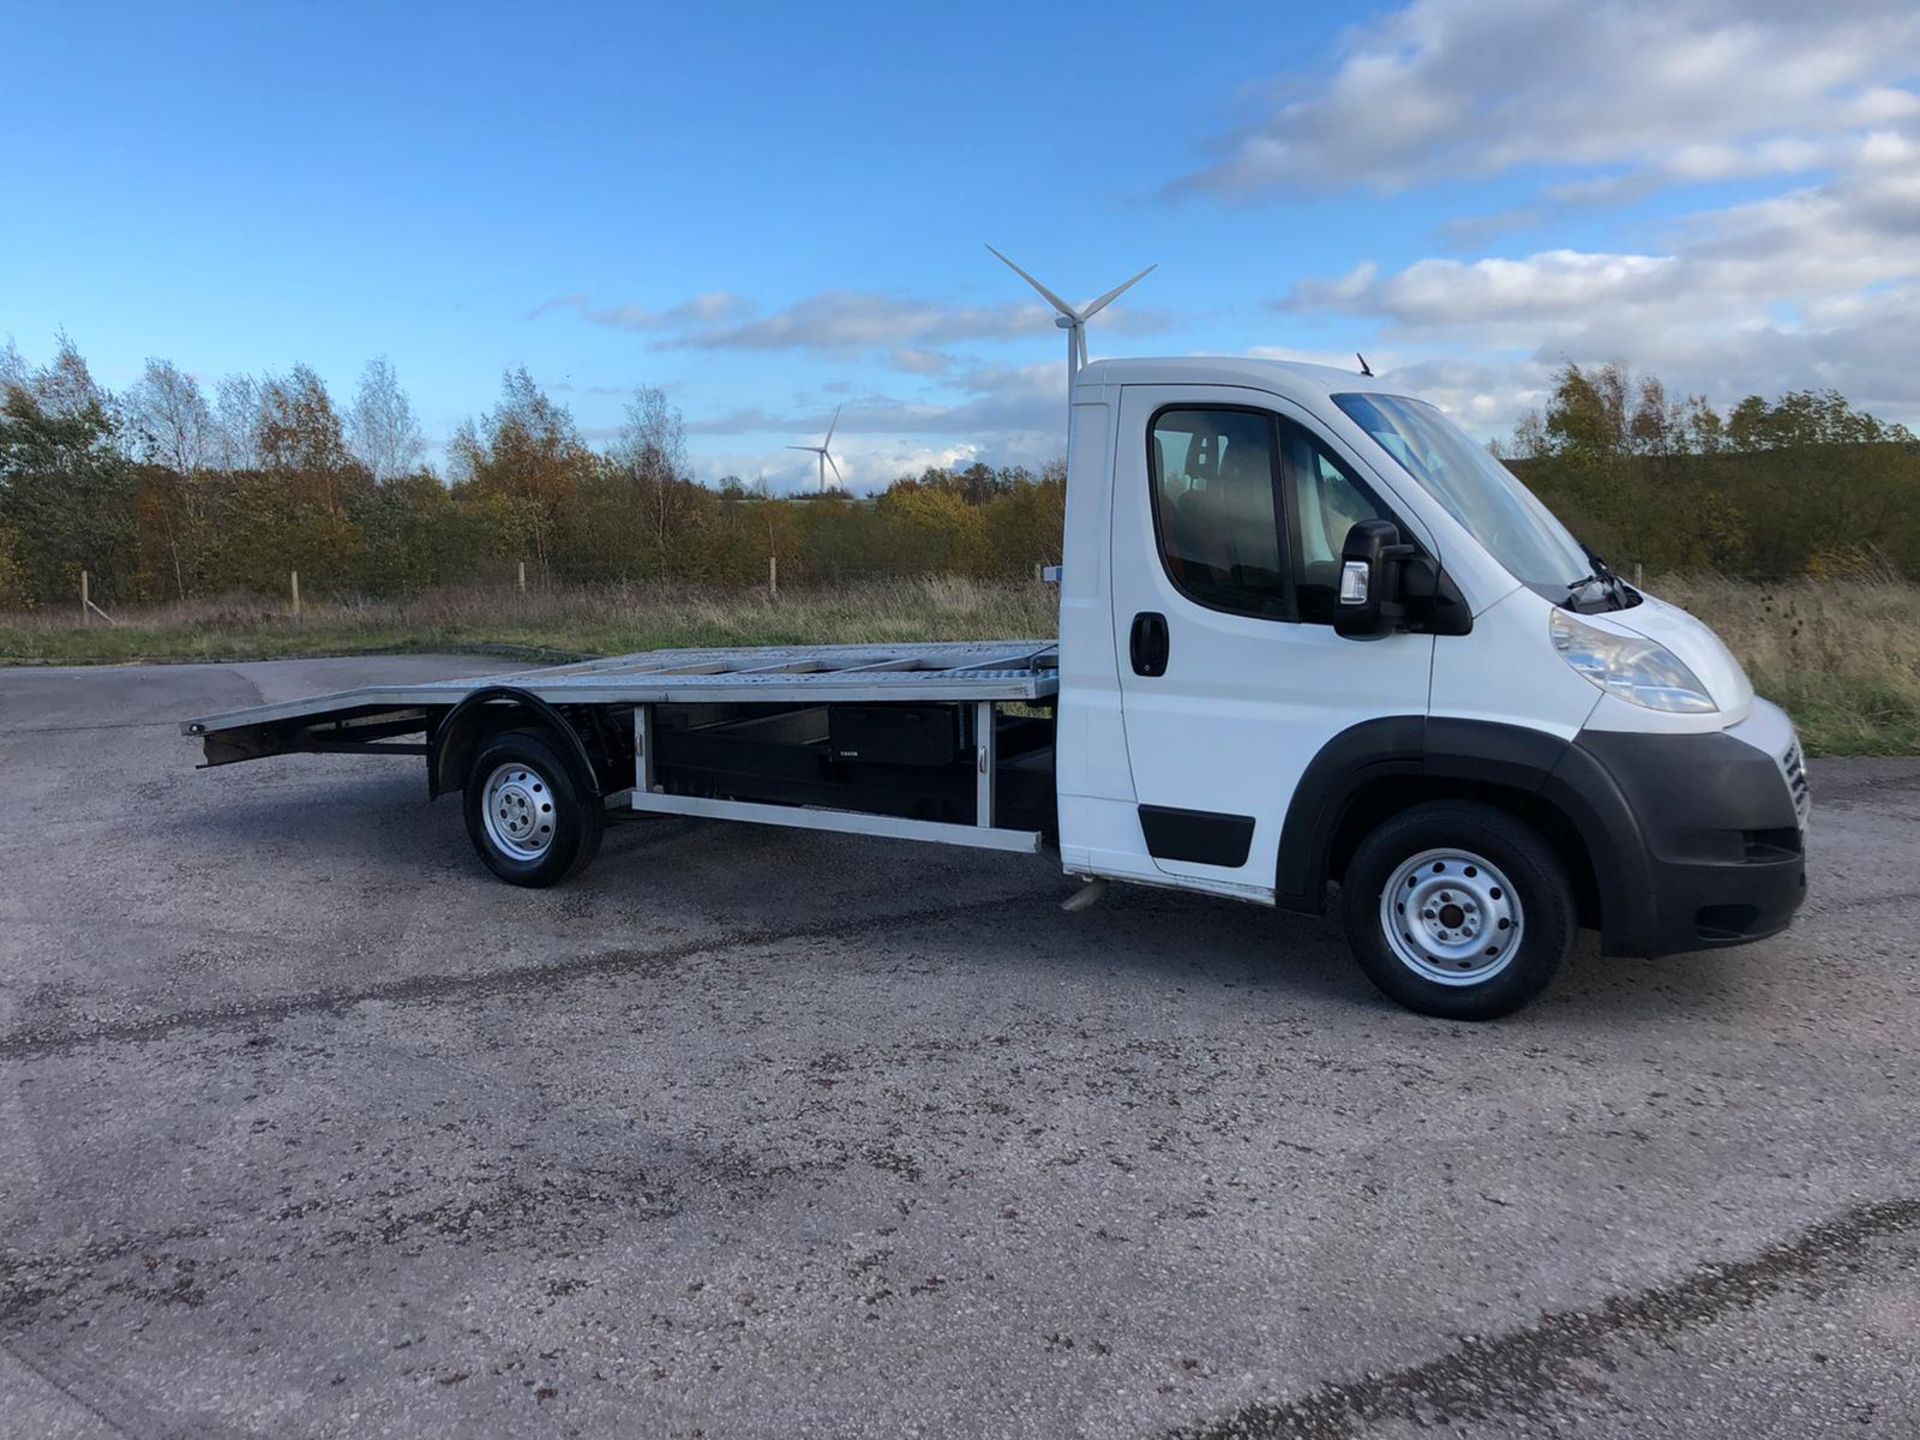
1638	670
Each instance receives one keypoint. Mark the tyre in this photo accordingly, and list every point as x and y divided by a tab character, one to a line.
1459	910
526	816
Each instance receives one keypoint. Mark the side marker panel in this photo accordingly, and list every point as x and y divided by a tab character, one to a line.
1200	837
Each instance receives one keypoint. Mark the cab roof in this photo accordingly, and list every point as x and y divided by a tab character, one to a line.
1281	377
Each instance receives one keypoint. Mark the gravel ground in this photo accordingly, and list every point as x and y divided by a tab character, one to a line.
310	1127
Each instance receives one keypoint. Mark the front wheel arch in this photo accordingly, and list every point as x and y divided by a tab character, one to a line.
1372	769
1376	801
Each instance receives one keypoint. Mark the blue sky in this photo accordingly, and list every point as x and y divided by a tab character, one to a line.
774	210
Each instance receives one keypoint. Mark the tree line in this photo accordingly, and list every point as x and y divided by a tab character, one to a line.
1806	484
171	491
168	492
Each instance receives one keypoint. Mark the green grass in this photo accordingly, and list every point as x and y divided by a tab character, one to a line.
1847	715
1843	656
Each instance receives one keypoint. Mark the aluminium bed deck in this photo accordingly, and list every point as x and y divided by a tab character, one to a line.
973	670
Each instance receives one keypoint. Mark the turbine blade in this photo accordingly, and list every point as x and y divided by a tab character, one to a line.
1114	294
836	471
1052	299
831	423
807	448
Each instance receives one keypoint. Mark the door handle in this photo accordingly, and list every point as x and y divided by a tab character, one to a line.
1148	644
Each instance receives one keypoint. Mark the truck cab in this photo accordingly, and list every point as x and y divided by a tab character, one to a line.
1310	632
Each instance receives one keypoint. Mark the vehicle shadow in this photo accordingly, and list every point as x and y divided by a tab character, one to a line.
763	880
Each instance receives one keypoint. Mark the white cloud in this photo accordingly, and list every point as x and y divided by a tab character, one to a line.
1554	288
1728	267
1446	89
1486	399
865	465
1814	287
849	321
860	320
917	361
709	309
1007	415
1332	359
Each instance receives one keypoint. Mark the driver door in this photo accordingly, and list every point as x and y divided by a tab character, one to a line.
1227	525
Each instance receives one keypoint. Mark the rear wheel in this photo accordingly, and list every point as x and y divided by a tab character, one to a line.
1459	910
525	815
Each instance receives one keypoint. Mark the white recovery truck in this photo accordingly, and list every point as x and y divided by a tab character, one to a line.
1309	633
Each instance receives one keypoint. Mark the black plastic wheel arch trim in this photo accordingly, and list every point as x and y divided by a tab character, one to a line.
1558	772
572	748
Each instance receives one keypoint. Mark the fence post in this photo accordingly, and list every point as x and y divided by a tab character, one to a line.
773	577
1636	575
523	577
294	575
86	601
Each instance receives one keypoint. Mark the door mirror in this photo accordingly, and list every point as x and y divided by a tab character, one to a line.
1370	562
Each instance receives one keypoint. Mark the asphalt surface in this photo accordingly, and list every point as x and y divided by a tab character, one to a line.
310	1127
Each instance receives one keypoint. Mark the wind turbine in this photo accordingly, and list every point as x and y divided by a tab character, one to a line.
1073	321
826	457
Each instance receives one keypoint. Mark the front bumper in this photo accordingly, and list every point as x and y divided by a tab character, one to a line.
1722	826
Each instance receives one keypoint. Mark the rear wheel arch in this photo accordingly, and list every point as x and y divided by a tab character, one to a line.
481	717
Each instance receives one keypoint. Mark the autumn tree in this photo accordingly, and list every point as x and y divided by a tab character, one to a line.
236	423
65	497
650	456
1803	418
382	432
167	419
520	466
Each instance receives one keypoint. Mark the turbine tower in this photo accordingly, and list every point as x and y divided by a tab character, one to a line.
1073	321
826	457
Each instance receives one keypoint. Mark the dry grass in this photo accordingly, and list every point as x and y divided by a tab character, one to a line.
577	621
1842	656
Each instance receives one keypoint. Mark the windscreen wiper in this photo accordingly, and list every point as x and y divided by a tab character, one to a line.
1576	588
1602	574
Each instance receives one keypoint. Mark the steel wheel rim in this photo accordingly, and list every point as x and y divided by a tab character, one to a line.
1451	917
518	808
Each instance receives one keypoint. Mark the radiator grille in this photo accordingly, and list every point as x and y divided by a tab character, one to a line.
1794	766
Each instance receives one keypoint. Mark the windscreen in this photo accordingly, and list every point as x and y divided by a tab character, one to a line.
1476	489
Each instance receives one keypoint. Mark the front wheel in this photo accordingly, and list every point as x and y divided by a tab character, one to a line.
1459	910
527	819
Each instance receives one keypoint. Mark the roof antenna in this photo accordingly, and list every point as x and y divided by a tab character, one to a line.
1073	321
1365	369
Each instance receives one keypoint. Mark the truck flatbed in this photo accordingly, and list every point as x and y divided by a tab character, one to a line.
941	672
901	740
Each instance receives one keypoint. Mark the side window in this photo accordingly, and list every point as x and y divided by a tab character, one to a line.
1216	509
1326	500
